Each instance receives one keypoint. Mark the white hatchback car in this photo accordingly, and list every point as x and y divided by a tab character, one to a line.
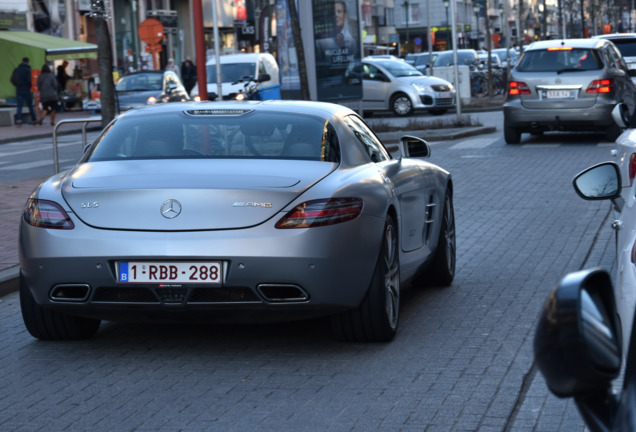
397	86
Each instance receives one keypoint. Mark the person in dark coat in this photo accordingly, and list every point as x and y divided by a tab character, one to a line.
188	74
62	76
21	79
49	90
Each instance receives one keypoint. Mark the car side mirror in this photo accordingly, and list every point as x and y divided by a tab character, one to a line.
599	182
171	87
264	77
411	146
577	344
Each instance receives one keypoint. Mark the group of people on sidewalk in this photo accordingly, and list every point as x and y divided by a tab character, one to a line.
48	84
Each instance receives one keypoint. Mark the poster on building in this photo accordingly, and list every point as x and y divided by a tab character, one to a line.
287	60
338	49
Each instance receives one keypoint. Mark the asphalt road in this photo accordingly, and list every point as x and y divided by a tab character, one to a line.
462	360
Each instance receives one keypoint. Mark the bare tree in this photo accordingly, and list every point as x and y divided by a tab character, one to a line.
104	61
300	50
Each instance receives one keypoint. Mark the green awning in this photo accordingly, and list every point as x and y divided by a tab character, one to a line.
55	48
39	48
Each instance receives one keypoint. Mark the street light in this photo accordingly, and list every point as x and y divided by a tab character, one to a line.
446	3
476	10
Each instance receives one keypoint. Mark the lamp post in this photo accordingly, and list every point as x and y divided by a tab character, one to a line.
476	10
450	39
406	15
446	3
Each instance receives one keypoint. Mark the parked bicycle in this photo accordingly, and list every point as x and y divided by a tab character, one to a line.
479	83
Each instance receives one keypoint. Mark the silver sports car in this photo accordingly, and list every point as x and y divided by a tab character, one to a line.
230	211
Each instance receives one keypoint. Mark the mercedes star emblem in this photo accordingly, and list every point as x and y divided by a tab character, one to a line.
171	209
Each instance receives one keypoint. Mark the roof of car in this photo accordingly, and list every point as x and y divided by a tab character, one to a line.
616	36
574	43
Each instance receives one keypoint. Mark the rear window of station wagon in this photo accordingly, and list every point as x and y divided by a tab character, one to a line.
560	59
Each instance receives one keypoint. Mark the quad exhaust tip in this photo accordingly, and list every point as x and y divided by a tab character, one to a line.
282	293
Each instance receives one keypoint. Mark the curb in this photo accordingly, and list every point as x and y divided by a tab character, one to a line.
9	280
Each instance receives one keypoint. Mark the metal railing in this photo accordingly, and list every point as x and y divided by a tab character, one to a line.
86	121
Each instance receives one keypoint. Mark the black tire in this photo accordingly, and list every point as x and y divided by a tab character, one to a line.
437	112
377	317
613	132
443	266
45	324
401	105
366	114
512	135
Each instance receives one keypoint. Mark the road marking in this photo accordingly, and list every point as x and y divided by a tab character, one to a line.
30	165
474	143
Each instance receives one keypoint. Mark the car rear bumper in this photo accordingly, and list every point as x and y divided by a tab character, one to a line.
598	116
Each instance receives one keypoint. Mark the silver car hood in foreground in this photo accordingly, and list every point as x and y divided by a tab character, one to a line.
181	195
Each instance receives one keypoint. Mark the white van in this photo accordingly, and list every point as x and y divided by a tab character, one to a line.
235	67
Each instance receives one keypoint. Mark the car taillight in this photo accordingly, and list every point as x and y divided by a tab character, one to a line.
601	86
632	168
322	212
516	88
46	214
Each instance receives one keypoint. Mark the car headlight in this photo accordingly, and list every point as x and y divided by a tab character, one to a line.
151	100
422	87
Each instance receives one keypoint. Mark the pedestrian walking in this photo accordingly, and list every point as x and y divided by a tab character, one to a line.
62	76
21	79
49	94
173	67
188	74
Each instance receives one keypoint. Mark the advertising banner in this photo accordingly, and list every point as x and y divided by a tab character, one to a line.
287	60
338	49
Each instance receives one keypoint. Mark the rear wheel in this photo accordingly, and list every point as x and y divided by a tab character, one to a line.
376	319
401	105
443	267
45	324
512	135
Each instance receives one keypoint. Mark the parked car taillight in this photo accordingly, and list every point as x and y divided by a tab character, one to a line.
601	86
632	168
516	88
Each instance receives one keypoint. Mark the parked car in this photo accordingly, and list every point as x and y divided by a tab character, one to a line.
149	88
571	84
603	182
236	69
496	62
236	211
468	57
626	44
422	61
578	349
399	87
506	54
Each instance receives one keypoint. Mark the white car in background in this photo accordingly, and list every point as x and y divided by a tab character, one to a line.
626	44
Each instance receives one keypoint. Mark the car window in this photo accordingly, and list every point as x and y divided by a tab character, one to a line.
140	82
560	59
463	58
399	68
231	72
262	70
627	47
371	144
372	73
222	134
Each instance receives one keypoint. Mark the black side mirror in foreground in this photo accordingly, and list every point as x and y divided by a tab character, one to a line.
577	344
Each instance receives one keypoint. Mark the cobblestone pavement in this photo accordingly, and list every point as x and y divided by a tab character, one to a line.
462	360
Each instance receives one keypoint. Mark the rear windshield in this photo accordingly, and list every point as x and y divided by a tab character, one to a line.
627	47
140	82
216	134
560	60
463	58
231	72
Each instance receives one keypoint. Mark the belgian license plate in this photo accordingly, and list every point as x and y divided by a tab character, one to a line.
444	95
559	94
170	272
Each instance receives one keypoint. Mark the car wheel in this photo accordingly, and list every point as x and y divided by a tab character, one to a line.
45	324
376	319
512	135
613	132
401	105
437	112
443	266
